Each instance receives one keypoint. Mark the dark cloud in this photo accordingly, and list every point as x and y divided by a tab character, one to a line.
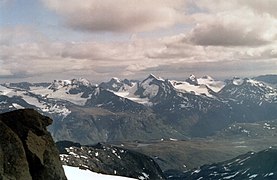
217	34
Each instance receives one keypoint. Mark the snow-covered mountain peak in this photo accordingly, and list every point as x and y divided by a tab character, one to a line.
192	77
117	85
115	80
237	81
199	86
58	84
192	80
250	90
257	83
197	89
214	85
251	82
149	87
81	82
152	76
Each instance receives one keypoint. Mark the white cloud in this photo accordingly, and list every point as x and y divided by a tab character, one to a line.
234	23
262	7
168	56
119	15
227	39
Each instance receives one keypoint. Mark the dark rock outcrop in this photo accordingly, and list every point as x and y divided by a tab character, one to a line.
107	159
27	150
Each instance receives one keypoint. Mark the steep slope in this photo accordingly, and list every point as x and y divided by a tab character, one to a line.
92	125
261	165
249	90
107	159
250	100
108	100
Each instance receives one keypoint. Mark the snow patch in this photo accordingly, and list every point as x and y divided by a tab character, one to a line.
4	90
214	85
187	87
238	81
17	106
231	176
253	176
129	93
74	173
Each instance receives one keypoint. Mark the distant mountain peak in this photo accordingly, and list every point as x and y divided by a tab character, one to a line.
207	77
57	84
152	76
117	85
192	80
81	81
238	81
115	79
192	76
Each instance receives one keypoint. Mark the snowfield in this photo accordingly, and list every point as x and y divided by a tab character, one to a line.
74	173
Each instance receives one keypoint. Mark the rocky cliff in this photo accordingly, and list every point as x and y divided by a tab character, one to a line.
27	150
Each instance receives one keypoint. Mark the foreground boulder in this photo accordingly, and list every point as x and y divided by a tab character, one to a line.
27	150
107	159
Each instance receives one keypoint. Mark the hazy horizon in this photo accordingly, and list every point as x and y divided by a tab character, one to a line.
106	79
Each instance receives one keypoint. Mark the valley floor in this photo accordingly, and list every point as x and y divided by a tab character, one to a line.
183	155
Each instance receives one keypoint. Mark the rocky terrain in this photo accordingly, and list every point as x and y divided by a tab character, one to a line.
261	165
27	150
120	161
107	159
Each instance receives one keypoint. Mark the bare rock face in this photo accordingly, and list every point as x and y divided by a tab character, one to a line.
27	150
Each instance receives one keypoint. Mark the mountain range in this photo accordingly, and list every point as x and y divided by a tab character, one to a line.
181	124
153	108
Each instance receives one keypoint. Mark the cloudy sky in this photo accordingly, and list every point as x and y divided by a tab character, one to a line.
42	40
